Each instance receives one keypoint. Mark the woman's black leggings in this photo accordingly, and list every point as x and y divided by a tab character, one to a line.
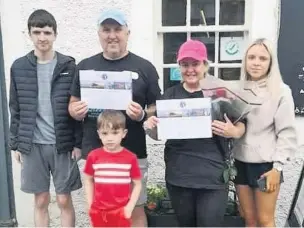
198	207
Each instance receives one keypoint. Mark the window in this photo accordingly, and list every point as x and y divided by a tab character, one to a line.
220	24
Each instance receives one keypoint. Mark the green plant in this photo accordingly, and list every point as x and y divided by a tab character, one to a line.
155	193
232	203
230	171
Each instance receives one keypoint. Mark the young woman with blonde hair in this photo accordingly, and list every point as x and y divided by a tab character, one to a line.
270	137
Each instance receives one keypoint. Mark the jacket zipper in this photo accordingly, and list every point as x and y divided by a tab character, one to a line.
57	71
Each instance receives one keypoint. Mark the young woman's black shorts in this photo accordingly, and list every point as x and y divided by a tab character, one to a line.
249	173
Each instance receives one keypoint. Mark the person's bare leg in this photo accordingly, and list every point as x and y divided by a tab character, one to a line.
139	218
266	205
65	204
41	212
247	204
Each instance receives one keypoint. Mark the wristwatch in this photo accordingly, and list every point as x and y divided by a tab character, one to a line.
278	167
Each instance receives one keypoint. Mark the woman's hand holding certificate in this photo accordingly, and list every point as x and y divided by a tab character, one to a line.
151	122
150	126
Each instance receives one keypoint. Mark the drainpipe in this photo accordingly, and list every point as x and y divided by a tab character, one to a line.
7	196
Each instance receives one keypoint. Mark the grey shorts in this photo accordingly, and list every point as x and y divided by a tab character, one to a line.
143	165
44	161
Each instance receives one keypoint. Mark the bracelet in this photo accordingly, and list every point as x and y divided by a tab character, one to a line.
143	115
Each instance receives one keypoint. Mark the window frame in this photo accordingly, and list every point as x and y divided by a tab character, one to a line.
160	30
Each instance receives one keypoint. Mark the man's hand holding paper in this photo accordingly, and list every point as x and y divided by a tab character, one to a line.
78	110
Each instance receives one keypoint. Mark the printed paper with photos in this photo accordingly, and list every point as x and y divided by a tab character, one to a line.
184	118
106	89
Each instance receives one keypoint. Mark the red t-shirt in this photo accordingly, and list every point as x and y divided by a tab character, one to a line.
113	174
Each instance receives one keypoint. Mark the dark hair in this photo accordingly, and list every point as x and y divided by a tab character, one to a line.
41	18
112	119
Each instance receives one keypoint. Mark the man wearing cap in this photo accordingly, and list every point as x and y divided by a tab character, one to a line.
113	35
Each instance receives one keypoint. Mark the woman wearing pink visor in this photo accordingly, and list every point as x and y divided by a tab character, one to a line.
194	167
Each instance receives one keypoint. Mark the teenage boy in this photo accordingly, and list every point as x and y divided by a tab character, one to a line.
44	136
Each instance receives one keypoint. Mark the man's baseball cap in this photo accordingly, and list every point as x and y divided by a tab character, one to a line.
113	14
192	49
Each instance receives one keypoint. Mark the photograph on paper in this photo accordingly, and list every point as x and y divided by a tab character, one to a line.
184	118
106	89
184	113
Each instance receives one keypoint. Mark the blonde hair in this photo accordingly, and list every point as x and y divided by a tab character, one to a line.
273	79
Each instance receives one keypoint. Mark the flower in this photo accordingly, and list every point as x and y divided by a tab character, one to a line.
155	193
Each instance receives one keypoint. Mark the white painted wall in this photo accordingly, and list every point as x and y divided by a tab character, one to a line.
13	43
142	32
264	19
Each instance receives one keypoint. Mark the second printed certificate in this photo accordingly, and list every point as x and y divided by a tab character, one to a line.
184	118
106	89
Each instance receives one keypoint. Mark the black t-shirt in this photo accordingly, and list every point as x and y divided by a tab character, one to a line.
145	92
193	163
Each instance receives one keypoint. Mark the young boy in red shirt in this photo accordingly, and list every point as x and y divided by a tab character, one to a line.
109	174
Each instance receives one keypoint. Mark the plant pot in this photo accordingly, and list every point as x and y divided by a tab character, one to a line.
161	219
